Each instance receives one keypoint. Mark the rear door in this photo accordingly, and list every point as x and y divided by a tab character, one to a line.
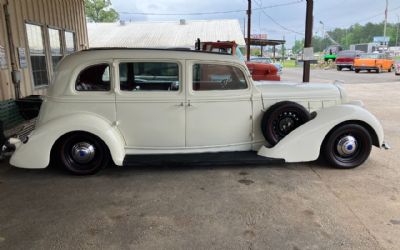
150	99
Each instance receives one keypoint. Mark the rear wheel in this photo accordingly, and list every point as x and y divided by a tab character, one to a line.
357	70
348	146
83	153
339	68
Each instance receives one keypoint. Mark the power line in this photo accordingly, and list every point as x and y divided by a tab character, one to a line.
209	13
276	22
379	14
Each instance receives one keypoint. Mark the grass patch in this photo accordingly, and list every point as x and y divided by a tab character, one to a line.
289	64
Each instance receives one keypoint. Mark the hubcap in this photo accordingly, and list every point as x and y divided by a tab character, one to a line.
347	146
83	152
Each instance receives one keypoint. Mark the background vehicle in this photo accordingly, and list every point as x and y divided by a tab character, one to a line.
330	53
259	71
397	68
266	60
373	61
345	59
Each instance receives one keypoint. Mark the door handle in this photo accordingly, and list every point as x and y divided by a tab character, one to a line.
189	104
180	104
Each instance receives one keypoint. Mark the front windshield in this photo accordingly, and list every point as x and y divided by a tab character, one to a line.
239	54
372	56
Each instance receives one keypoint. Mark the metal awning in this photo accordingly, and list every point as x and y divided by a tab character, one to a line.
265	42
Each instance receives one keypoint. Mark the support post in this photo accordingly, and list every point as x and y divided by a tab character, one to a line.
248	29
308	38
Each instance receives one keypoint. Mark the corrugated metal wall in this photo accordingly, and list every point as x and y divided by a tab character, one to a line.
63	14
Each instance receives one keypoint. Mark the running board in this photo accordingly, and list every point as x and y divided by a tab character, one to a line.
201	159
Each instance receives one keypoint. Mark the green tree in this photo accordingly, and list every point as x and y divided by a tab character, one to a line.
100	11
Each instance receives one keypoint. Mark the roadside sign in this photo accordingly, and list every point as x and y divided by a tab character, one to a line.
22	58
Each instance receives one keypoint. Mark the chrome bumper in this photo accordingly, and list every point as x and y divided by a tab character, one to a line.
385	146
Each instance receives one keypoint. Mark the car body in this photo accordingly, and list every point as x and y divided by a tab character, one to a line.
377	62
267	60
345	59
397	67
119	103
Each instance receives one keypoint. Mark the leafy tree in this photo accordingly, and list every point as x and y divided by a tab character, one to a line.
353	35
100	11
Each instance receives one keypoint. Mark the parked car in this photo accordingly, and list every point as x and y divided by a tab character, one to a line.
121	103
345	59
373	61
397	68
267	60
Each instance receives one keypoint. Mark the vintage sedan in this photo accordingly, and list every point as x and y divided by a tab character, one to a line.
118	104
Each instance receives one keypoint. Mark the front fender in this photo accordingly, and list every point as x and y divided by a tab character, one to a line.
304	143
36	152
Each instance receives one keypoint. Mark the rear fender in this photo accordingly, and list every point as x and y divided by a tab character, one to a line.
36	152
304	143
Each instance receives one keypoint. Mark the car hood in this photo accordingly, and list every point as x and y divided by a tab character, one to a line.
289	91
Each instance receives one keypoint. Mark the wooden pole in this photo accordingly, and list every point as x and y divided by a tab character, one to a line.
308	38
248	29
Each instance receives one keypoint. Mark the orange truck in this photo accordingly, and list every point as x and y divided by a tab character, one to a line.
259	71
377	62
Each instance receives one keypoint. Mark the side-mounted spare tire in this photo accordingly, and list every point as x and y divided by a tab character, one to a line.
281	119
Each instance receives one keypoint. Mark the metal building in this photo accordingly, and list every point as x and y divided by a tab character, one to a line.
34	36
163	34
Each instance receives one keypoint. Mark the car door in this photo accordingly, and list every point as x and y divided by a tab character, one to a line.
150	104
219	111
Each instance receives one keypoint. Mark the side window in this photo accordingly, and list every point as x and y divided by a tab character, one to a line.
149	76
94	78
217	77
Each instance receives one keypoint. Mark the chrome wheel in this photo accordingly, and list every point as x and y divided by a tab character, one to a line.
83	152
347	146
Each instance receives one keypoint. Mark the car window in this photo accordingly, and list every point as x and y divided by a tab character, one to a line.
149	76
94	78
217	77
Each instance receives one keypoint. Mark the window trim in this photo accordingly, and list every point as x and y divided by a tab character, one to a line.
28	53
60	30
217	92
77	70
65	43
84	67
181	68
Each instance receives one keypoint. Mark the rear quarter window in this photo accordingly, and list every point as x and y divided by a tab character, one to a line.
94	78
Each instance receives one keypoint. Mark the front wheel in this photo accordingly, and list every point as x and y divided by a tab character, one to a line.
83	153
348	146
357	70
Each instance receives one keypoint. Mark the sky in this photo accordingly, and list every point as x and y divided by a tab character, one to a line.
278	19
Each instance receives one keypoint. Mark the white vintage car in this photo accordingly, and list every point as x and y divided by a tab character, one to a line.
120	103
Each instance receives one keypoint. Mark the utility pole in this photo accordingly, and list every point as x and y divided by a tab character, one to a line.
308	38
384	28
248	29
398	26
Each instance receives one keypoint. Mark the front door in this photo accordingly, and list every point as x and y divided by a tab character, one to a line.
150	105
219	111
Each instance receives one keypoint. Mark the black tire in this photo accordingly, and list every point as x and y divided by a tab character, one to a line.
342	152
390	69
93	153
281	119
357	70
339	68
